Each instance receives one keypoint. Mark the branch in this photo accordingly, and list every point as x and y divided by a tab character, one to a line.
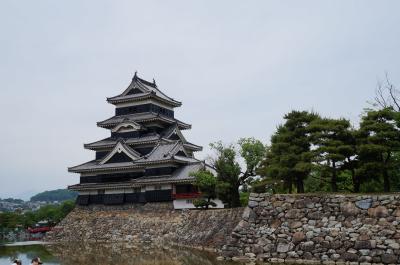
379	96
245	175
392	91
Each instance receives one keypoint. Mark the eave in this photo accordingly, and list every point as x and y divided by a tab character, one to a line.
127	166
193	147
156	117
106	146
119	99
126	185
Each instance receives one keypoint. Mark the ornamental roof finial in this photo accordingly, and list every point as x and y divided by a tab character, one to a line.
135	76
154	82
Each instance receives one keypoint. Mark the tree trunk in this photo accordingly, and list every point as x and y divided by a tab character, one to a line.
300	184
334	178
290	185
208	202
386	181
356	181
235	201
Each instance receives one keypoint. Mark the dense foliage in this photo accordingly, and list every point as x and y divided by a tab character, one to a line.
289	156
55	195
329	155
50	213
206	182
310	153
12	200
230	174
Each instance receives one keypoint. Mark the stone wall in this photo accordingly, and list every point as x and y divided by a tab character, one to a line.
129	254
152	222
334	229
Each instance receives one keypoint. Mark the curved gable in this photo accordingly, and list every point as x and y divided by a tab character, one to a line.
128	126
120	153
175	134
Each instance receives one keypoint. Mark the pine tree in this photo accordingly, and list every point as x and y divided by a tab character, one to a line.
332	141
379	139
289	156
206	183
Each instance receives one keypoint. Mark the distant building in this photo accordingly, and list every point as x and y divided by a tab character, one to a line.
146	158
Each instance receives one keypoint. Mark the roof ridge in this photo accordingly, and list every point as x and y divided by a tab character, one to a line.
137	78
152	151
131	150
174	147
129	96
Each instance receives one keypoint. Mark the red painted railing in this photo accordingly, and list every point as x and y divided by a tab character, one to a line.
190	195
39	229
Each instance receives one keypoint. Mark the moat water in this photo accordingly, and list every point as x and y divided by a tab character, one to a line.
106	254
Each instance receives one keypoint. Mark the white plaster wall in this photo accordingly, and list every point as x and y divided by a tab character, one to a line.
114	191
158	187
166	187
129	191
88	192
149	187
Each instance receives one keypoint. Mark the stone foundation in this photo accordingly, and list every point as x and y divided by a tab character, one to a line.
332	229
149	223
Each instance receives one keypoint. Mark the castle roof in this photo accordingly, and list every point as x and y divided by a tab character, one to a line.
135	141
163	152
180	175
141	117
111	142
140	89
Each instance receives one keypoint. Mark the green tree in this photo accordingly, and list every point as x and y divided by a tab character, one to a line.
331	139
289	157
55	195
351	163
206	183
230	175
379	137
51	213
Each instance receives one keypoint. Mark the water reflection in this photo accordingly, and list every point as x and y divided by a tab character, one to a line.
109	254
26	253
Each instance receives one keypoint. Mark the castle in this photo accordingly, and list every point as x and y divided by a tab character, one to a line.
146	158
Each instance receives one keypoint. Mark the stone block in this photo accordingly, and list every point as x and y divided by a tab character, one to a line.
362	245
294	214
396	213
349	209
252	204
298	237
307	246
389	258
364	204
379	212
347	256
282	248
295	224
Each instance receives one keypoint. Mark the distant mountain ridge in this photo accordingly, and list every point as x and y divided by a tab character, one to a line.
54	195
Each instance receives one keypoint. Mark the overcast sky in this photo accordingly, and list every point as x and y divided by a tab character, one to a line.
237	66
